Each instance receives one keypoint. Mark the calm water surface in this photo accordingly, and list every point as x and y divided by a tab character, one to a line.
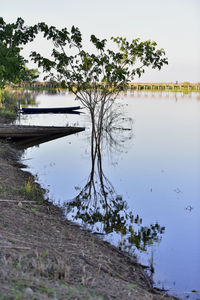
150	168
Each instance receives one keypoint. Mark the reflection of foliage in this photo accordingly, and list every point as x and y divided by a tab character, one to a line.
8	106
113	216
97	204
26	98
117	130
145	236
22	96
108	213
10	101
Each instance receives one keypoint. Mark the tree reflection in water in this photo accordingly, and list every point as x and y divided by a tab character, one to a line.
97	204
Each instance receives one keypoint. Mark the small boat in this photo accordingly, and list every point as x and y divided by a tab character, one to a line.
27	132
42	110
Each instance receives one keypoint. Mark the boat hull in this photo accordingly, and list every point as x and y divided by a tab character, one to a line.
40	110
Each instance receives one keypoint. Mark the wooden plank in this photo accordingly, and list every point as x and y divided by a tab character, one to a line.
15	131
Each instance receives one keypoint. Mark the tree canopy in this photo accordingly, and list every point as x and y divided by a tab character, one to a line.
101	70
13	36
96	78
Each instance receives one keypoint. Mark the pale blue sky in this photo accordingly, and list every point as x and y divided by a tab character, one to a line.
173	24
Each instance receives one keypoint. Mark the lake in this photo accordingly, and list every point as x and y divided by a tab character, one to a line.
142	192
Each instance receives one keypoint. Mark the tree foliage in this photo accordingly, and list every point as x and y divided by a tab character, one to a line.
13	36
104	70
96	78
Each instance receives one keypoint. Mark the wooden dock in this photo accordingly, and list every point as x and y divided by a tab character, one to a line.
165	86
172	86
27	132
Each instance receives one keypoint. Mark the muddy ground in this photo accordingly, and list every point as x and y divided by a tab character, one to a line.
44	256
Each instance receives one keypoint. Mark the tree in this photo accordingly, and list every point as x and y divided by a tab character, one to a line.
105	71
12	64
96	78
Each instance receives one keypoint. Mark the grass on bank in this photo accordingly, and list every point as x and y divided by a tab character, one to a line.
31	191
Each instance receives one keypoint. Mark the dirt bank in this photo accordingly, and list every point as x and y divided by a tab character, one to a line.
44	256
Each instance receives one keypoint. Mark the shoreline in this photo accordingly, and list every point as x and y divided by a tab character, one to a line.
44	256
